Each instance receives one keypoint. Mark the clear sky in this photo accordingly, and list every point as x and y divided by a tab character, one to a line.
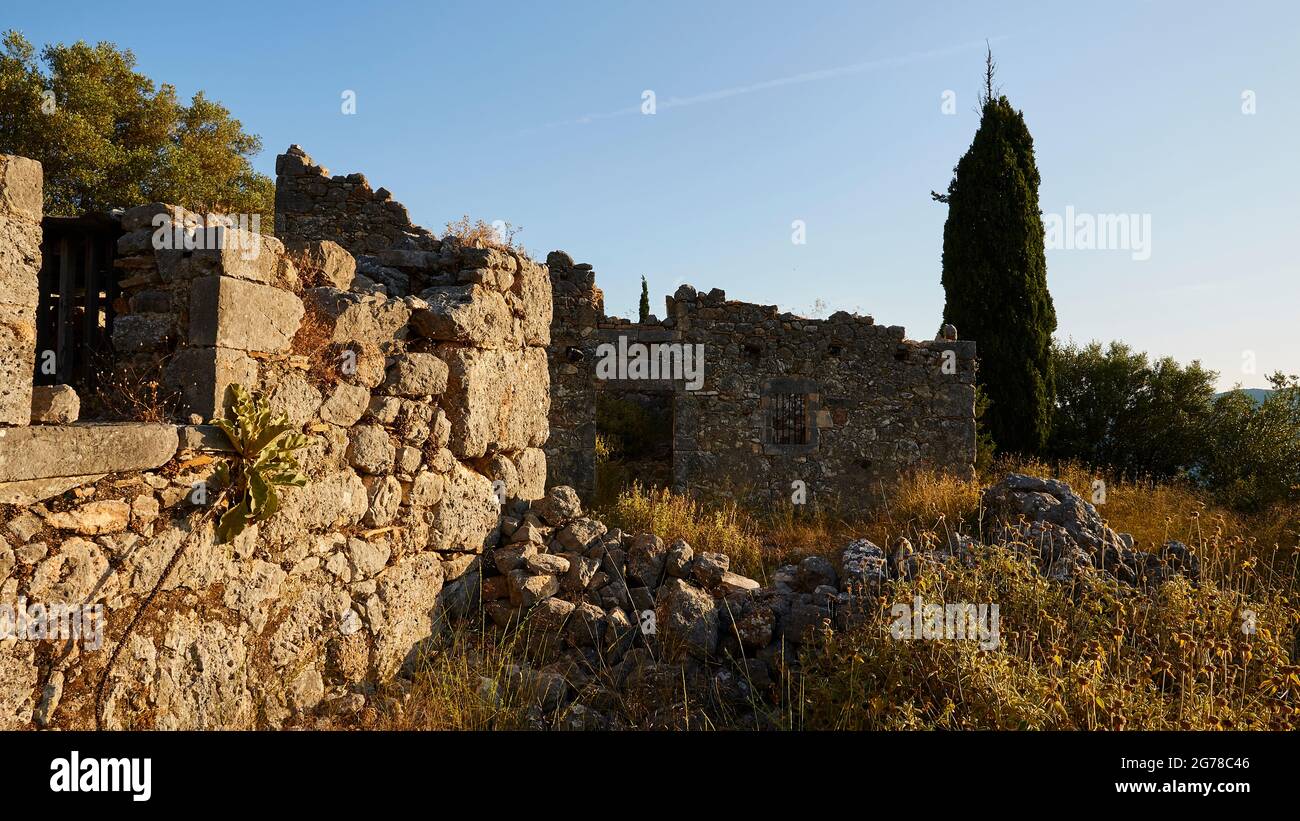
769	112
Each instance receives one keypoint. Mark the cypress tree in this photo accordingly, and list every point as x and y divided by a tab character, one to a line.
644	307
995	274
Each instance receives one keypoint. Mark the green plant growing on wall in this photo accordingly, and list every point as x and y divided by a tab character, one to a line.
265	459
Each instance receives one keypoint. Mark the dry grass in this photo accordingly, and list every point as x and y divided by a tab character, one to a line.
480	234
670	516
314	341
126	392
461	683
1089	655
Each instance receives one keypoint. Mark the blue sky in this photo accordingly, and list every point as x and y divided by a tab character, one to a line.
831	114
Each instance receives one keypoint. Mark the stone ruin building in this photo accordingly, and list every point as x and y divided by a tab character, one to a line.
842	405
443	388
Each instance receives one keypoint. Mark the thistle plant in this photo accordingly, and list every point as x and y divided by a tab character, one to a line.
265	446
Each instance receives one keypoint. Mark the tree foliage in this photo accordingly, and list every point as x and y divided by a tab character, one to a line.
108	137
1115	407
1254	455
995	274
1119	411
643	308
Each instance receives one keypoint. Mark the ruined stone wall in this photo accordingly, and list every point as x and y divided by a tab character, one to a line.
201	302
877	405
310	205
425	414
579	306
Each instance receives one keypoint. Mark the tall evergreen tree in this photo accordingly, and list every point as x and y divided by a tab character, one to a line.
643	310
995	273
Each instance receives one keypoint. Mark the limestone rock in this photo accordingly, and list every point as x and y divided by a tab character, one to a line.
232	313
497	399
109	516
325	260
345	405
467	513
416	375
72	576
646	559
295	397
78	450
401	612
468	314
55	405
559	506
686	619
370	450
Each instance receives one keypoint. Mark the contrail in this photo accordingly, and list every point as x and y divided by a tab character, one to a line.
765	85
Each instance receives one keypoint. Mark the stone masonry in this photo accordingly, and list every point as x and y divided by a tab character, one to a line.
867	404
310	204
435	380
424	397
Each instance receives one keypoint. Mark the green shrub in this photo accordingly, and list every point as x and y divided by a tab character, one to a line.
265	446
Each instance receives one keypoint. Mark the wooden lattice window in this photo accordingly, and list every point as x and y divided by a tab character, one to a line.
78	285
787	419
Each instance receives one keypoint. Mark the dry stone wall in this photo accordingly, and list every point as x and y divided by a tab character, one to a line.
311	204
579	306
425	409
866	404
876	404
436	382
202	302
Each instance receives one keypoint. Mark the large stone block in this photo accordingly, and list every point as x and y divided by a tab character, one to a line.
416	375
324	259
470	314
203	376
76	450
17	363
231	313
20	260
401	611
530	300
468	512
495	400
531	466
370	321
21	183
238	253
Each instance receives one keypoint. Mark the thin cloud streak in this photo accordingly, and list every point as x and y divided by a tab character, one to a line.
767	85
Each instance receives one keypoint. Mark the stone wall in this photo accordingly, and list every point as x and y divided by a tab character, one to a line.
201	314
877	405
310	204
425	412
20	262
579	306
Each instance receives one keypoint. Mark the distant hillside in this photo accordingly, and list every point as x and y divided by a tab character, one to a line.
1257	394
